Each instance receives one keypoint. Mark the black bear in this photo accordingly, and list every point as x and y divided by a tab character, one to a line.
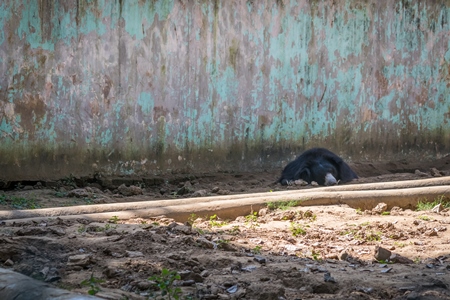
319	165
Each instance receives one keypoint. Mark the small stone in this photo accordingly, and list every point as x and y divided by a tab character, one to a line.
365	290
260	259
343	255
205	243
437	208
233	289
223	192
430	232
187	282
382	253
328	278
435	173
396	258
215	189
380	208
144	285
8	263
133	254
420	173
129	190
313	183
200	193
204	273
81	260
262	212
79	193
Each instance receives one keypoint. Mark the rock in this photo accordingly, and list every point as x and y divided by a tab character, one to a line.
260	259
205	243
284	215
8	263
205	273
144	285
328	278
82	260
79	193
129	190
263	211
133	254
182	229
223	192
382	254
313	183
18	286
233	289
420	173
111	272
430	232
343	255
437	208
380	208
215	189
396	258
396	211
200	193
435	173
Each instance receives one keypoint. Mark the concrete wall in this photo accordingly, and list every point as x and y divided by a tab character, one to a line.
151	86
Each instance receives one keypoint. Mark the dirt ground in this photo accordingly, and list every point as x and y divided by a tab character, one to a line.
322	252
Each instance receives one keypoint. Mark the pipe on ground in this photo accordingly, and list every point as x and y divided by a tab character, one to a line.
362	196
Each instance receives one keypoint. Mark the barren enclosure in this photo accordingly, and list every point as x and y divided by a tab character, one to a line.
281	251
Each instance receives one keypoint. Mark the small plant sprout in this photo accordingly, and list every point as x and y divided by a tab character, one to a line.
93	284
297	229
165	283
424	218
423	205
252	219
113	219
214	221
283	205
257	249
192	218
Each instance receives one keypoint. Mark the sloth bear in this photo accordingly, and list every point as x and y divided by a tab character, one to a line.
319	165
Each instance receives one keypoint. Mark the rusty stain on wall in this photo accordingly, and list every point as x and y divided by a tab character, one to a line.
154	86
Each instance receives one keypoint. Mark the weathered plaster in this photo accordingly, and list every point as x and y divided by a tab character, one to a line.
148	86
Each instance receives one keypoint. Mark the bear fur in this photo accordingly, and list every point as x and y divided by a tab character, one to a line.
319	165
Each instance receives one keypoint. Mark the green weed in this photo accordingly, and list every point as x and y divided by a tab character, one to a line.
214	221
113	219
257	250
425	218
19	202
315	255
424	205
93	283
297	229
283	205
165	284
253	217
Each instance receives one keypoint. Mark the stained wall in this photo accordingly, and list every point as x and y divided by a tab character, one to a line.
153	86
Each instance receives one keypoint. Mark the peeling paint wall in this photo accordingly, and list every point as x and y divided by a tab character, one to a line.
149	86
